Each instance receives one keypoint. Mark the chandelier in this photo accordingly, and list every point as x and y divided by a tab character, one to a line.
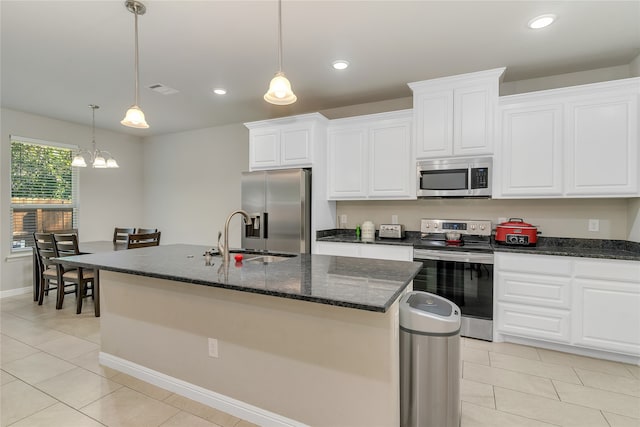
96	158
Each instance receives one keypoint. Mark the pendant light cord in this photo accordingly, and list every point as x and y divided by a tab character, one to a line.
280	35
93	126
135	12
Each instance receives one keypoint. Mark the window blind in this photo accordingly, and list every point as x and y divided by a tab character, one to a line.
44	190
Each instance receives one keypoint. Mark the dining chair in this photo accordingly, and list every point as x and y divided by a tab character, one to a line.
143	240
146	230
120	234
46	250
84	278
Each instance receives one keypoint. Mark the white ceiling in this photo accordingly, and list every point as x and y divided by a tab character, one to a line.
60	56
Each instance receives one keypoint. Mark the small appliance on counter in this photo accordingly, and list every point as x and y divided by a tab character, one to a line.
368	231
516	232
391	231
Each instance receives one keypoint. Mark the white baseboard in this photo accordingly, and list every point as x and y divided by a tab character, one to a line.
207	397
17	291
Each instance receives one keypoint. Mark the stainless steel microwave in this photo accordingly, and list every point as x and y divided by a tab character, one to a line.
469	177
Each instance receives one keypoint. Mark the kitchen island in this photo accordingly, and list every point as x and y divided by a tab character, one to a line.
307	340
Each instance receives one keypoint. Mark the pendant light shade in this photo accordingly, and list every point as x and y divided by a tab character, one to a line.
135	117
280	92
96	158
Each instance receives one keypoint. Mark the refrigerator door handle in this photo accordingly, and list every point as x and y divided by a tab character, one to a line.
265	225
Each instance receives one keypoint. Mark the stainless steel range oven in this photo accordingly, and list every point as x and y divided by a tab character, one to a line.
460	270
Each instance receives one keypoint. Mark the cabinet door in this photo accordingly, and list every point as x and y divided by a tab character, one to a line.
531	151
264	149
607	315
533	322
390	171
295	147
473	120
602	146
347	163
433	118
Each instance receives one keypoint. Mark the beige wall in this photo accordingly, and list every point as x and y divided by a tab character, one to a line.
633	219
108	197
557	218
192	182
301	360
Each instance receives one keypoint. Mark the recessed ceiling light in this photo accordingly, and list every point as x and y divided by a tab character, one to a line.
340	64
541	21
220	91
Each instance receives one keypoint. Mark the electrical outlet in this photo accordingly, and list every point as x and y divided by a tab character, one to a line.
594	225
213	347
394	219
343	221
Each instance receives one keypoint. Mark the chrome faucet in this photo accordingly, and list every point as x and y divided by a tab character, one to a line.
224	248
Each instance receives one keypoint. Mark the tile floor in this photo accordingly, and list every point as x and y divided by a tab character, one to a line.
50	377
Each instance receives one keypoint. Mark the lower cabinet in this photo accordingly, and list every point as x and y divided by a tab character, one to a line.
364	250
584	302
607	305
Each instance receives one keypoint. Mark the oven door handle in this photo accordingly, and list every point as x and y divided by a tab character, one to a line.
472	257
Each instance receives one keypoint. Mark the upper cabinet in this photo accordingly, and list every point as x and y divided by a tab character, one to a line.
370	157
454	116
289	142
572	142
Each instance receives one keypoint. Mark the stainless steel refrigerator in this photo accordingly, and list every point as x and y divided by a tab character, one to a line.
279	203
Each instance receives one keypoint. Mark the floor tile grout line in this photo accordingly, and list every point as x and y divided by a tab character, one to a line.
56	401
600	409
518	415
516	371
605	418
573	368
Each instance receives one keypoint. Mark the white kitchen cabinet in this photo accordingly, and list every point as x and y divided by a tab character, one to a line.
364	250
589	303
286	142
602	143
347	165
580	141
370	157
454	116
607	305
533	296
530	156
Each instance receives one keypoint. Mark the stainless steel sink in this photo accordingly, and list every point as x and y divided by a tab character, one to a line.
267	259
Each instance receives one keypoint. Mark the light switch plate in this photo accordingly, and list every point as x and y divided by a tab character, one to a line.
594	225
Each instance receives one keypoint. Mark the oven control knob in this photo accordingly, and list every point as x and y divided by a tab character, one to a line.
482	227
473	226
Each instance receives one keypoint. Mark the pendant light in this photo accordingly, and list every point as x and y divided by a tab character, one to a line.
280	92
96	158
135	117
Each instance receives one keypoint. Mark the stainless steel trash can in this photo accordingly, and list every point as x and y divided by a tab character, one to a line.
429	361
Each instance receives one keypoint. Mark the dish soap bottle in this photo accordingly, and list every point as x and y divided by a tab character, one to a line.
357	232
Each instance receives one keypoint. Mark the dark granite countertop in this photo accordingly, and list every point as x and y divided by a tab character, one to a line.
583	248
558	246
359	283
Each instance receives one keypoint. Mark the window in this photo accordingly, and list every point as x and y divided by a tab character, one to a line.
44	190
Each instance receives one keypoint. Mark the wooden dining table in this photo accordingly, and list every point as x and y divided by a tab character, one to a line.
91	247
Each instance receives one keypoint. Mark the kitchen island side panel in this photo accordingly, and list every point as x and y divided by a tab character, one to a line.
318	364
